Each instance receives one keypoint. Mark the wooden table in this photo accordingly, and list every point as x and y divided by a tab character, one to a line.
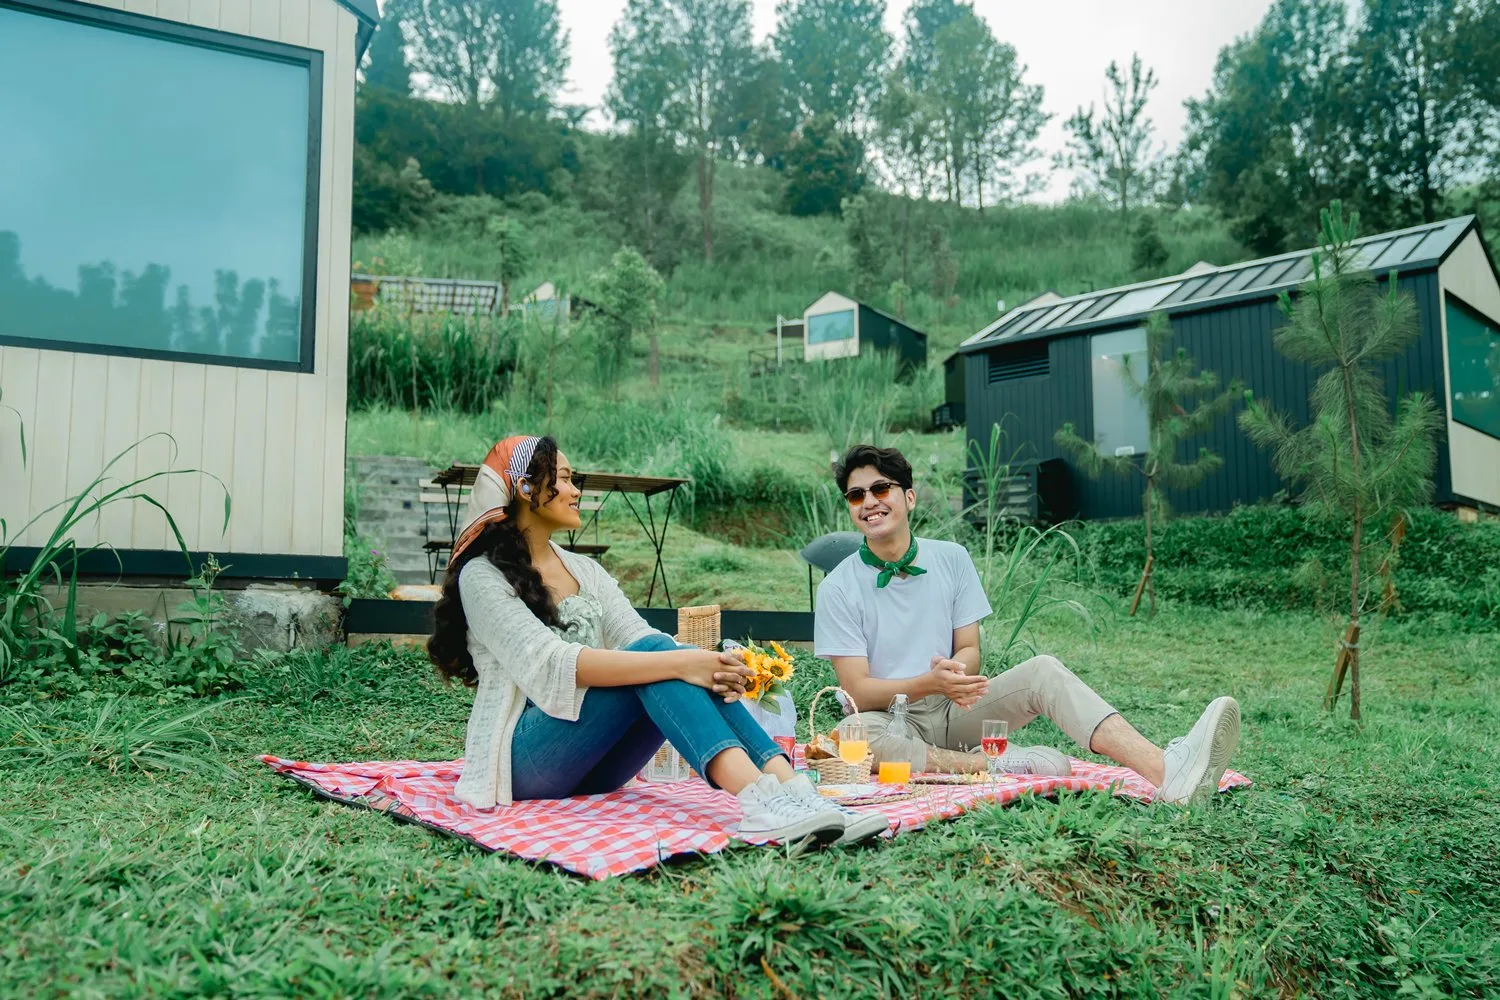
459	476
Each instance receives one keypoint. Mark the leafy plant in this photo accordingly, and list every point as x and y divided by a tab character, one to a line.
1167	389
30	624
1359	466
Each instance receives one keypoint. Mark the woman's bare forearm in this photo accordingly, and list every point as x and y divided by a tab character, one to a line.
620	668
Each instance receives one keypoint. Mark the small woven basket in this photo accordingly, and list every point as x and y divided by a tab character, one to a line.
835	771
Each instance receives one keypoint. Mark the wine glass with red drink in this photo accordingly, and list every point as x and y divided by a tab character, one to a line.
994	738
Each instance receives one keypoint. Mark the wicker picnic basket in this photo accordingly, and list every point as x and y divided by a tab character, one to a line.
699	627
833	770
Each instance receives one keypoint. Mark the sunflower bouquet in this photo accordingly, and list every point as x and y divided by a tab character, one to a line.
773	671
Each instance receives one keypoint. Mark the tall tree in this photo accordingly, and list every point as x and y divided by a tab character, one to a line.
510	55
983	116
835	53
386	66
683	65
628	290
824	167
1113	153
1272	138
1181	404
906	135
1422	107
1358	465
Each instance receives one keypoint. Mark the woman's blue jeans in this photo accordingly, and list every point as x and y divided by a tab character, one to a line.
619	729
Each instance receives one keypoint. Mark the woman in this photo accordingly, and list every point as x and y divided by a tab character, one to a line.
574	691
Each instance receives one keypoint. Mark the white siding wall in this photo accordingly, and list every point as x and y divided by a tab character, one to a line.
828	303
1475	456
276	439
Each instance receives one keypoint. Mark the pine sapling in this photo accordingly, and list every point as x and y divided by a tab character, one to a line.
1360	467
1181	403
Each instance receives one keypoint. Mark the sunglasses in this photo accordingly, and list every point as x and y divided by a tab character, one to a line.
880	489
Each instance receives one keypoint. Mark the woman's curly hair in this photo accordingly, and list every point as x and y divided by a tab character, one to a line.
505	547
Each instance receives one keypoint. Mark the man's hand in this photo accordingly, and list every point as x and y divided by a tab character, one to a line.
950	679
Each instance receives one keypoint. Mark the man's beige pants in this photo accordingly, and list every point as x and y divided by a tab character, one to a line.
1040	686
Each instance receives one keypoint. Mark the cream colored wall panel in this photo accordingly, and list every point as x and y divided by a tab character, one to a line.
155	454
280	488
250	433
234	15
48	438
204	13
1475	456
190	411
218	455
18	374
147	7
175	10
122	406
85	453
265	18
341	64
294	14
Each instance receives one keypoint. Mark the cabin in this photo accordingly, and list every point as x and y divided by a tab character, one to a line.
1052	362
836	326
174	272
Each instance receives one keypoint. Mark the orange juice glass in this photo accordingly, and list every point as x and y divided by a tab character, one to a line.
895	772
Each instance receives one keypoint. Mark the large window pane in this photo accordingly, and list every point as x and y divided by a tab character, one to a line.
826	327
1119	368
1474	370
154	193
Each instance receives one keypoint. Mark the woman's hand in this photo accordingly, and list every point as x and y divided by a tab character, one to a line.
722	673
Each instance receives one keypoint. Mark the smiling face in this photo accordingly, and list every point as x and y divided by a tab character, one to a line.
559	510
880	519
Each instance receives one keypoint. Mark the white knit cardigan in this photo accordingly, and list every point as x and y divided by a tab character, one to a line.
517	657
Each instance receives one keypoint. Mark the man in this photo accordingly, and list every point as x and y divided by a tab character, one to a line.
901	616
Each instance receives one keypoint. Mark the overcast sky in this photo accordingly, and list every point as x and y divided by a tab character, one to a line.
1066	44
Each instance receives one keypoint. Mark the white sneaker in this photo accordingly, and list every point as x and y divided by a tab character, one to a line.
1196	762
768	812
857	825
1034	760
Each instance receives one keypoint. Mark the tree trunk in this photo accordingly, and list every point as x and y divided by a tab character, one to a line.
906	239
1350	651
1146	584
653	362
705	203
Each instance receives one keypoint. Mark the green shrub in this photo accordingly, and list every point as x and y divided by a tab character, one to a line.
1269	556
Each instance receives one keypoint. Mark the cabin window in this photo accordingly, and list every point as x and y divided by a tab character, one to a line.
828	327
159	196
1119	371
1473	369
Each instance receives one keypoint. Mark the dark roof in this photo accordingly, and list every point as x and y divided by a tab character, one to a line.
369	17
1408	250
866	305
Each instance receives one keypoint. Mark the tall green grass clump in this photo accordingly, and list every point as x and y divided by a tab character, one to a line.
424	362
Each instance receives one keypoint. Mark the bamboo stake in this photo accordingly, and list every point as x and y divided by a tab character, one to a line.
1140	588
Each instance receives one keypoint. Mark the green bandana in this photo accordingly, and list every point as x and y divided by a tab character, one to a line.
889	569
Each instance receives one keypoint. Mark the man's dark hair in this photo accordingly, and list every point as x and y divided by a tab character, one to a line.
889	462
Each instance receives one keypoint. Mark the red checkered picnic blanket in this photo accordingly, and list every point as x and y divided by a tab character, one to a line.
644	823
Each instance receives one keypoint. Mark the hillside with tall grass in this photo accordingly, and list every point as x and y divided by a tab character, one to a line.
767	262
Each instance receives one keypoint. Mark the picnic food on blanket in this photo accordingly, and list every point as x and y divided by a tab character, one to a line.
773	670
822	753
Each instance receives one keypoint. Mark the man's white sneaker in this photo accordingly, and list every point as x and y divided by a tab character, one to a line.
857	825
768	812
1196	762
1034	760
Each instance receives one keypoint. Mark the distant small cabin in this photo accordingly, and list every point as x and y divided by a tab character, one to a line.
1062	360
836	326
546	302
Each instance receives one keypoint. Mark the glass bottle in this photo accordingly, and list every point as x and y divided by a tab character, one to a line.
895	765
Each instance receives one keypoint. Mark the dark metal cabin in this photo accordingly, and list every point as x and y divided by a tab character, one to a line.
1042	365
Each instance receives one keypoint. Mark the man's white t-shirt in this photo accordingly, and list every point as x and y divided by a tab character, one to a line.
900	627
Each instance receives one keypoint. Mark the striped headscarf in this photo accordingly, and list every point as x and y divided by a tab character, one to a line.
494	485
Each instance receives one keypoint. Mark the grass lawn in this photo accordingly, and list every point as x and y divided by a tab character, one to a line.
1364	862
